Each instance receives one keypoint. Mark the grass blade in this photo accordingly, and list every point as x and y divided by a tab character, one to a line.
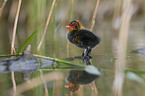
28	40
135	71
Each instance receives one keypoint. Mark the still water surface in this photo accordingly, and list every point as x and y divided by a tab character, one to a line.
103	58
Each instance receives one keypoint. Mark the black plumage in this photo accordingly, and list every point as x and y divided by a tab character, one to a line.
81	37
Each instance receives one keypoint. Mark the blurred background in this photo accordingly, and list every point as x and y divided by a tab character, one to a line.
34	13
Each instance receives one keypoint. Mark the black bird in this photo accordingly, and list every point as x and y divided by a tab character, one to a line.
81	37
79	77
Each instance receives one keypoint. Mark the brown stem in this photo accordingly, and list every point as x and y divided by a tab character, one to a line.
15	27
94	15
46	26
14	82
44	82
13	43
2	8
122	47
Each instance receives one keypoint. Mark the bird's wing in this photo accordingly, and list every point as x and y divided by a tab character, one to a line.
86	36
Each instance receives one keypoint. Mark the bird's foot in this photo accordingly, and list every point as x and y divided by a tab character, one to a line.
79	57
83	57
87	57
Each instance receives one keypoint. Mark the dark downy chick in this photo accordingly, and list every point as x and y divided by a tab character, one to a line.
81	37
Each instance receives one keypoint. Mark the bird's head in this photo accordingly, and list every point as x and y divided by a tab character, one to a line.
74	25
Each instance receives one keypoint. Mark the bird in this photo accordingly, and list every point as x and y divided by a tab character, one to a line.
80	77
82	37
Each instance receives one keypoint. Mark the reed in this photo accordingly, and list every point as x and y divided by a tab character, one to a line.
46	26
15	28
122	46
36	82
58	87
44	82
94	15
55	30
13	43
71	10
70	19
116	15
2	7
92	26
119	63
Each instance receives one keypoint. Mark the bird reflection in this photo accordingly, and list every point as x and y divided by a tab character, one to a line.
80	77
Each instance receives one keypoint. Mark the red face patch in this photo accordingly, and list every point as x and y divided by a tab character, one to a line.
74	25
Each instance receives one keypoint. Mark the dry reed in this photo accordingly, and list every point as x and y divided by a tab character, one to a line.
94	88
58	86
2	7
121	56
44	82
36	82
46	26
14	82
92	26
116	15
38	48
15	28
80	92
94	15
13	44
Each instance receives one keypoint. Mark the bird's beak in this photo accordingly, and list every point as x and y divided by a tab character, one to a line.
66	86
67	26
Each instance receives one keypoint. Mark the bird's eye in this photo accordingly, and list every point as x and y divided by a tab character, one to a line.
76	27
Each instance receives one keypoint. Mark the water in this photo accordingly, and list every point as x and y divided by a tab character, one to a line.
54	45
102	58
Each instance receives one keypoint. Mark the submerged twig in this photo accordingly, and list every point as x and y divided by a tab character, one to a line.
46	26
2	7
94	15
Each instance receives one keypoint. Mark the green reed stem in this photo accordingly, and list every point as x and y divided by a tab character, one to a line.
71	16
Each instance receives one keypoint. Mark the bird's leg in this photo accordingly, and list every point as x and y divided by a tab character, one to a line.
87	52
87	61
84	52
